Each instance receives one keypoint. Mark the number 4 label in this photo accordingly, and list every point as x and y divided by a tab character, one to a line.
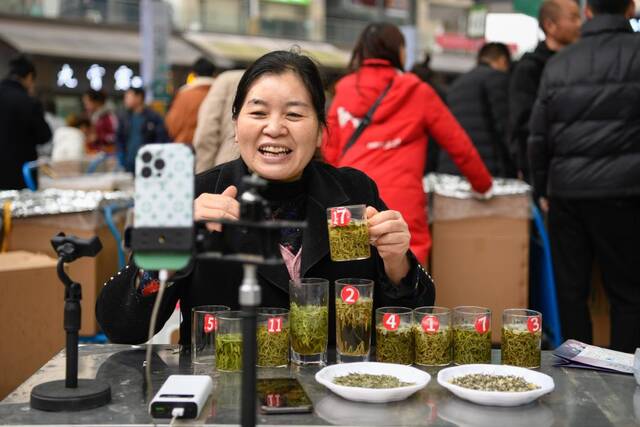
534	324
349	294
391	321
482	324
274	325
430	324
210	323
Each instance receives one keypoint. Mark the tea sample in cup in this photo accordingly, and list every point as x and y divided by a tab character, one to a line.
348	233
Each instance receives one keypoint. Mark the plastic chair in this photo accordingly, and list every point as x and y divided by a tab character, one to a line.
543	296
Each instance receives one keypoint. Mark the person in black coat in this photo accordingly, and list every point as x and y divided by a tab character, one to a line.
138	126
479	102
22	124
560	21
279	116
584	151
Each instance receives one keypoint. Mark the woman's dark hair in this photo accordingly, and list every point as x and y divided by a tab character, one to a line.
379	40
279	62
21	66
96	95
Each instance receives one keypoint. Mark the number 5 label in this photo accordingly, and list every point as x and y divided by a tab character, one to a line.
210	323
391	321
349	294
482	324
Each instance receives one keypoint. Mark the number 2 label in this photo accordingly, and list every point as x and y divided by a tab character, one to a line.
533	324
210	323
391	321
482	324
349	294
430	324
274	325
340	217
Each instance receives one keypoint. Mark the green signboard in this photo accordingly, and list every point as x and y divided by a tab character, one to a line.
528	7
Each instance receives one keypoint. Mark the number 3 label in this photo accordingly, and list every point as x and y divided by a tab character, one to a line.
210	323
430	324
533	324
274	325
391	321
482	324
340	217
349	294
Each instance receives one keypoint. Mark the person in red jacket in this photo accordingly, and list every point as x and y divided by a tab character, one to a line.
391	149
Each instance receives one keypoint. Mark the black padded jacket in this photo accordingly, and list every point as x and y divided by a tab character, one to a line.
585	126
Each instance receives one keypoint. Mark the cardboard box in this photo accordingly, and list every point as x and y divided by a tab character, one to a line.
34	235
31	317
480	254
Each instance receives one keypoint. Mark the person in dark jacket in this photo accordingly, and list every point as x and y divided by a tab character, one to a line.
585	161
560	21
22	123
279	119
139	126
479	101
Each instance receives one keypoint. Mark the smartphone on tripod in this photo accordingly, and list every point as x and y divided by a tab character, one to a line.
163	236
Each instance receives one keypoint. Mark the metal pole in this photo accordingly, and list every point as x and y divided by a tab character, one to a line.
249	298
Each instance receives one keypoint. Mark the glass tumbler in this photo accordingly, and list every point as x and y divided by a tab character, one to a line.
309	320
203	333
433	336
471	335
354	312
348	233
229	341
394	335
273	337
521	337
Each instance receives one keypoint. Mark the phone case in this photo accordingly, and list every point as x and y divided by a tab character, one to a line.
163	214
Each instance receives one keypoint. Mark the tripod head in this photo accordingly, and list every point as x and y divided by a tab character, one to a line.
70	248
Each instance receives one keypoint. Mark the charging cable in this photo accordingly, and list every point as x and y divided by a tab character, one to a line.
163	277
175	414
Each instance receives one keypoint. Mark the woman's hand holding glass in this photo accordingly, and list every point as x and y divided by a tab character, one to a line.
389	233
209	207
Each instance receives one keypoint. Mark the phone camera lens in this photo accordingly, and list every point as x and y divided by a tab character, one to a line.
146	157
146	172
159	164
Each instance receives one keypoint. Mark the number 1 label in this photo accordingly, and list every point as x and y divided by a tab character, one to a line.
482	324
430	324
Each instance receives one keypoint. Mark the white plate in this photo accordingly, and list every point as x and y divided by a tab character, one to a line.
496	398
374	395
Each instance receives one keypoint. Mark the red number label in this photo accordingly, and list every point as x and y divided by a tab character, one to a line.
273	400
210	323
340	217
391	321
533	324
349	294
482	324
274	325
430	324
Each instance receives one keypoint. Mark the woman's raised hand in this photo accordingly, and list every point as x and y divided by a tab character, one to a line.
389	233
215	206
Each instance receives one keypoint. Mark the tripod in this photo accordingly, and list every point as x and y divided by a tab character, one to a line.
71	394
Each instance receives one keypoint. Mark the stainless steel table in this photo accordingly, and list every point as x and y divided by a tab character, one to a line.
581	397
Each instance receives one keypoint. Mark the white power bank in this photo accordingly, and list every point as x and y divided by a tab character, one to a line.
189	392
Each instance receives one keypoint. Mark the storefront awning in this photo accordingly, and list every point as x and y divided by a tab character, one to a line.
53	38
245	49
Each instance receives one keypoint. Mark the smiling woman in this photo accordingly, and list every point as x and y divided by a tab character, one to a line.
279	120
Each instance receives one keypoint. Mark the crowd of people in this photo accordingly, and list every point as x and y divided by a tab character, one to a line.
565	118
